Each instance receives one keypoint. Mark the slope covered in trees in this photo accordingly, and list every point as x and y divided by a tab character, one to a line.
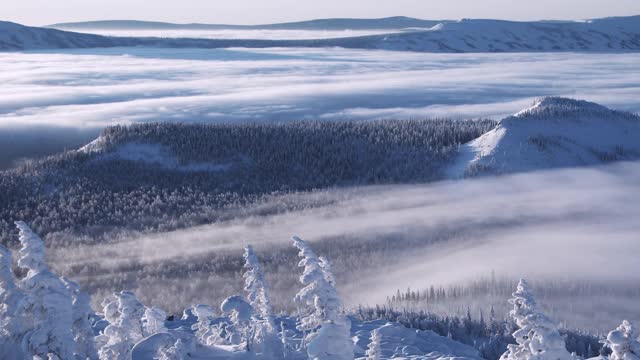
164	176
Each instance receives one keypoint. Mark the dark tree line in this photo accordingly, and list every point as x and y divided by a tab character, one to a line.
91	193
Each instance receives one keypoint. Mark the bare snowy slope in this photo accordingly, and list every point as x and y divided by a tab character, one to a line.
554	132
601	35
509	36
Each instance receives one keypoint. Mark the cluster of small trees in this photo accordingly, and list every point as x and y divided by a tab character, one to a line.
569	300
527	334
44	316
94	192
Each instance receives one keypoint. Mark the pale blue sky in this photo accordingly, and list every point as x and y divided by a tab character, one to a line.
42	12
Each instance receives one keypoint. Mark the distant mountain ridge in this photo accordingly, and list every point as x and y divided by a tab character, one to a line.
396	22
475	36
15	37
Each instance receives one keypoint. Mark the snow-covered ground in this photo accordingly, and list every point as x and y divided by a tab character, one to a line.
154	154
554	132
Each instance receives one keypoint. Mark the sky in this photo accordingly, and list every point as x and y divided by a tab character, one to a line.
44	12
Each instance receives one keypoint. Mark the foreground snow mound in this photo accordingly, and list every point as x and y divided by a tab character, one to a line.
398	342
554	132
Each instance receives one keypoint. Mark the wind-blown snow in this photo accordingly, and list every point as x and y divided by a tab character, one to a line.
554	132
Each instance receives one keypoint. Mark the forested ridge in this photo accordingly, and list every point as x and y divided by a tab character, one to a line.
216	167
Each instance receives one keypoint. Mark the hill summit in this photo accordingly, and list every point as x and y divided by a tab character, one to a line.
553	132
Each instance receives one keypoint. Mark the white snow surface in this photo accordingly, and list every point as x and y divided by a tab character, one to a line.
554	132
478	35
152	154
399	342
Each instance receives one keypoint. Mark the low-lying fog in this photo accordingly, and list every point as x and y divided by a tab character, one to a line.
571	226
251	34
96	88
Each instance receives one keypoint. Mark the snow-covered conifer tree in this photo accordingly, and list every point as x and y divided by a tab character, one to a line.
537	337
49	301
623	342
204	332
120	336
327	269
13	322
82	331
256	286
153	321
327	327
240	313
264	331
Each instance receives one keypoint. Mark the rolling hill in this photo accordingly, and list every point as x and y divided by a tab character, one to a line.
476	36
15	37
553	133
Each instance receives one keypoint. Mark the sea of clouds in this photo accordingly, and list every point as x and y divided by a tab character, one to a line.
95	88
91	89
567	226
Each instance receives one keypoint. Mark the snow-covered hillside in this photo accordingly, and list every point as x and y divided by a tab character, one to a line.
471	35
554	132
18	37
601	35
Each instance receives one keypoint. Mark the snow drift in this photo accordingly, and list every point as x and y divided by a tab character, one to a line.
554	132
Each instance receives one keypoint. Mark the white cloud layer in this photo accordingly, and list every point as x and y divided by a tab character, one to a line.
562	225
94	88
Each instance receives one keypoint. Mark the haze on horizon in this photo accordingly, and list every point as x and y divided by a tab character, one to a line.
42	12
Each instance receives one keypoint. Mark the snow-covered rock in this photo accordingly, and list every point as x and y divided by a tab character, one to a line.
554	132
